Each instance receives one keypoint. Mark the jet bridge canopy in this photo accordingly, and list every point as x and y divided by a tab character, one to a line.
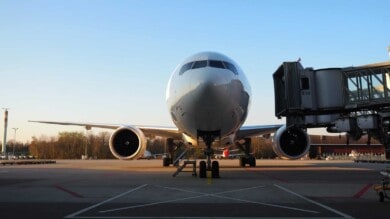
368	86
304	91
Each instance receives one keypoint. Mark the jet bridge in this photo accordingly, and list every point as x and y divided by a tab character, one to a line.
352	99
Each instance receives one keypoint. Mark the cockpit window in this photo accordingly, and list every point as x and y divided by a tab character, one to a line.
185	68
199	64
231	67
216	64
210	63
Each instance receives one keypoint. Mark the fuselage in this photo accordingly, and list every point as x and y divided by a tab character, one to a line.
208	92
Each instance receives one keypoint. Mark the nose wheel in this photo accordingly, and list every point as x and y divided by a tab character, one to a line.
214	169
202	169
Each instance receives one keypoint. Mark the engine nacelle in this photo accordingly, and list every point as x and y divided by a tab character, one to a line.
291	143
127	142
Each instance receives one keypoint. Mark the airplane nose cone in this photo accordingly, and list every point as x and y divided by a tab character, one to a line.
210	88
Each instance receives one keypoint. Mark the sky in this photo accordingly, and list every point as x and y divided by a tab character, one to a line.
107	61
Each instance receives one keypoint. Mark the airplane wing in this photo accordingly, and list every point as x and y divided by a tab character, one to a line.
148	131
247	131
170	132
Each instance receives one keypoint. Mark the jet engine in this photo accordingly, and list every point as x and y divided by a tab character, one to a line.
127	142
292	143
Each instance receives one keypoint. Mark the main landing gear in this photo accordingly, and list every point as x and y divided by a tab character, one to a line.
172	148
207	165
248	158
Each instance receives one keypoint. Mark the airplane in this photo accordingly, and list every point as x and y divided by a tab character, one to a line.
208	97
226	153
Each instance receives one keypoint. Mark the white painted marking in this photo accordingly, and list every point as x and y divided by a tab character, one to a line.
216	195
200	194
267	204
314	202
103	202
219	193
150	204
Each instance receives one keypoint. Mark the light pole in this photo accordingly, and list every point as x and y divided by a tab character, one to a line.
4	151
15	129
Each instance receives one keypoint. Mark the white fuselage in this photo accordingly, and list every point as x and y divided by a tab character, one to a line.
208	92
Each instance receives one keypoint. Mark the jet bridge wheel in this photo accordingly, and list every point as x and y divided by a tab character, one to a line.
202	169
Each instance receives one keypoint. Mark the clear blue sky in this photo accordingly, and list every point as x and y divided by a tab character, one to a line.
109	61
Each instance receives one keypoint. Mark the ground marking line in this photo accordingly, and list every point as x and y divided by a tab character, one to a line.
238	190
314	202
202	194
150	204
363	191
267	204
70	192
103	202
218	193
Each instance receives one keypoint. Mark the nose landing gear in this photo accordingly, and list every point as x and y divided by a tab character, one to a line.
204	166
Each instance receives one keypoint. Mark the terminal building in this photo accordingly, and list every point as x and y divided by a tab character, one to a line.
355	100
322	145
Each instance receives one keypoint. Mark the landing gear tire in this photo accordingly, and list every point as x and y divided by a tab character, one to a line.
243	161
202	169
167	161
215	169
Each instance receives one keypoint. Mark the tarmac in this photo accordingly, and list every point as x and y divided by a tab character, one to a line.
145	189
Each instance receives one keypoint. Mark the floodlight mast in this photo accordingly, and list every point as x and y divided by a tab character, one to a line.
4	151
